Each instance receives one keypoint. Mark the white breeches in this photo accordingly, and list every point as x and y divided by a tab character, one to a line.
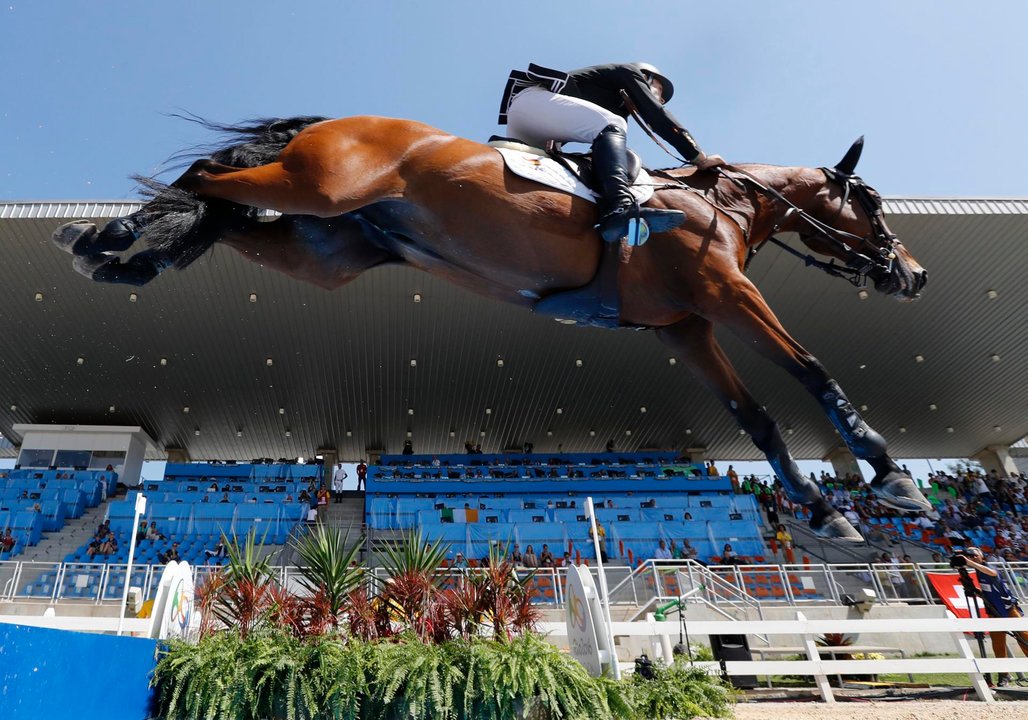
536	115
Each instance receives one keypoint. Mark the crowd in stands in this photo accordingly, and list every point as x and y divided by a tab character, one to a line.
970	507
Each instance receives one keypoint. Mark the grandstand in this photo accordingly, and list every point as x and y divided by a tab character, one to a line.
33	502
472	501
188	512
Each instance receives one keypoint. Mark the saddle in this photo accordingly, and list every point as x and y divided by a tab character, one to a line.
570	172
595	304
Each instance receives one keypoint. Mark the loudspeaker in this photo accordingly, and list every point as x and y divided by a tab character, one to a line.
734	647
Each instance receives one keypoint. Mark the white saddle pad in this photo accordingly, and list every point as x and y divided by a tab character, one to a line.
544	169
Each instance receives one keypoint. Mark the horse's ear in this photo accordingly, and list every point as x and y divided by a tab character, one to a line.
848	164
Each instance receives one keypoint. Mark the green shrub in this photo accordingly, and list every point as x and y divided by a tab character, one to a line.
679	691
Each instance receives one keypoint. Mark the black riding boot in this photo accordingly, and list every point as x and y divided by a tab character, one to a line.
617	206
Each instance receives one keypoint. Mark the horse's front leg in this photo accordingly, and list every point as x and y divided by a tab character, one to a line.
743	309
693	341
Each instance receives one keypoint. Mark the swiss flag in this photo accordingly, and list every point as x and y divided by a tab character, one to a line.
950	589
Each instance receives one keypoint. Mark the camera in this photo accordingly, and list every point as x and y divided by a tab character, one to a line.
957	562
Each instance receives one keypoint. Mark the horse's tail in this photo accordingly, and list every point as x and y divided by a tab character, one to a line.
182	224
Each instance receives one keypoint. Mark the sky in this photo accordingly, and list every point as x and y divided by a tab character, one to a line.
936	87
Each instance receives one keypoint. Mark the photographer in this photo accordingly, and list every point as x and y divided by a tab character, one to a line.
999	602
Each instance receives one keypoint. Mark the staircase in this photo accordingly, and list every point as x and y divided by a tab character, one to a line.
53	546
345	515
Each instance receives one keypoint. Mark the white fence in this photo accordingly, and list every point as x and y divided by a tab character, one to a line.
819	668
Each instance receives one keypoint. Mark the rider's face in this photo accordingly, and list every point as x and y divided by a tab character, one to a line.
658	88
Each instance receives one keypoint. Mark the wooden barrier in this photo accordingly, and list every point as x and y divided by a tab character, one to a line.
975	667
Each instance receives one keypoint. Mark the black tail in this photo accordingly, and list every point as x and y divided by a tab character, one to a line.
181	223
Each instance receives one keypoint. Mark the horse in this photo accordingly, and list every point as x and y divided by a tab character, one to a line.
359	192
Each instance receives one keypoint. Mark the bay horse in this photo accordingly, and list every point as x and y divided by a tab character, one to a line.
359	192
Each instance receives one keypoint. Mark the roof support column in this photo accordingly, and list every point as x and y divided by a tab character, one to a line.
177	455
843	463
996	457
330	456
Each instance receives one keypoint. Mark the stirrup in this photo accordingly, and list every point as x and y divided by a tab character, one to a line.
614	225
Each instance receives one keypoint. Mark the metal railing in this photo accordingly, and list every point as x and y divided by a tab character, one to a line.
739	587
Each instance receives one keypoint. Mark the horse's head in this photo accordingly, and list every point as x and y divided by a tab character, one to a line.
850	226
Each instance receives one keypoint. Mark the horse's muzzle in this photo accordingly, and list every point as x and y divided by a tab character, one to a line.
901	283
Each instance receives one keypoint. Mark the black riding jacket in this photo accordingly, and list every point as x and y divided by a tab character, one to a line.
602	85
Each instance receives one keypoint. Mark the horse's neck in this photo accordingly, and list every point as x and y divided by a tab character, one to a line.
798	185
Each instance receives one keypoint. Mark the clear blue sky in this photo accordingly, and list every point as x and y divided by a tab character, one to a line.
936	86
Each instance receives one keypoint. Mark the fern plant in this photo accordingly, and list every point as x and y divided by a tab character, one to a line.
414	680
529	677
679	691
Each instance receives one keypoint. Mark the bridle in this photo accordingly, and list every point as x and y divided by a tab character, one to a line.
873	259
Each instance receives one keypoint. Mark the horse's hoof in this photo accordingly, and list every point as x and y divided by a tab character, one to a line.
76	234
87	265
120	233
897	491
836	527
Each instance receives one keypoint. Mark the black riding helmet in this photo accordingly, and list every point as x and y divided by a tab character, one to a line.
652	71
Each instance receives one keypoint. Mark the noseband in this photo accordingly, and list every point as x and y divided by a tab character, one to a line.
874	259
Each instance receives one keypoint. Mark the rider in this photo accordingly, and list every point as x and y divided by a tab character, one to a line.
586	105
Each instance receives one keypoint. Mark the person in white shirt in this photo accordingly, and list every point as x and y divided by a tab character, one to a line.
662	553
339	476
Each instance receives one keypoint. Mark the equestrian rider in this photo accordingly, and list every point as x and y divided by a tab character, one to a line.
586	105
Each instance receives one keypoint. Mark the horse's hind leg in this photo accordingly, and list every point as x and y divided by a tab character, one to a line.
694	342
743	309
325	171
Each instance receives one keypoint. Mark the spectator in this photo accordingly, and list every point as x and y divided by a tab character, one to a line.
323	496
688	516
546	557
515	555
733	477
339	476
610	445
218	552
152	533
460	562
408	448
213	487
224	498
784	540
103	546
305	497
141	531
7	542
687	551
729	556
601	533
169	555
662	553
362	474
712	470
530	560
102	529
